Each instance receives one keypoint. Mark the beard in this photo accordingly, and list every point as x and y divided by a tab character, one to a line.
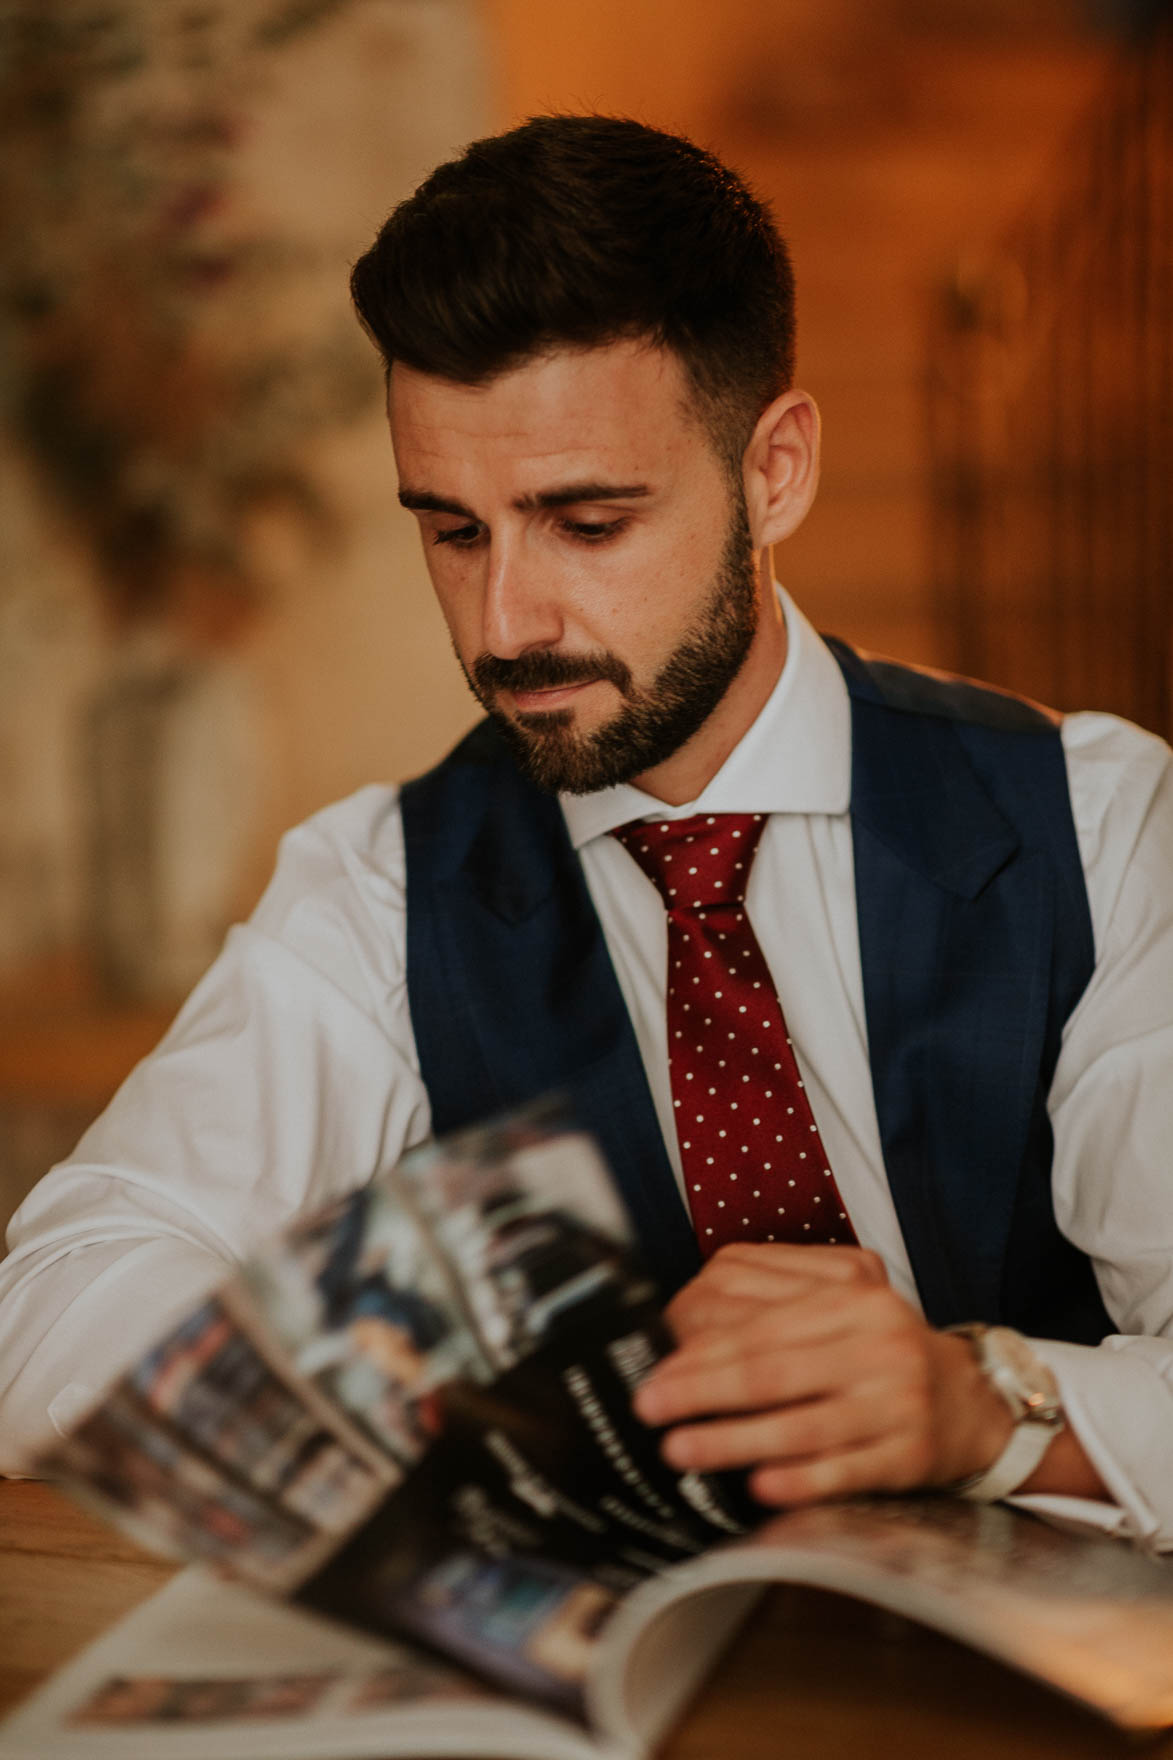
653	723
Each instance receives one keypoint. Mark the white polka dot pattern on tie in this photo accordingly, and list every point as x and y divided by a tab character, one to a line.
742	1016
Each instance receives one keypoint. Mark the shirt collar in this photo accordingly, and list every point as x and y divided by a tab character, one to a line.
796	758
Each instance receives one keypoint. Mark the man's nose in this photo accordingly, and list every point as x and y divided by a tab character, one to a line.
521	608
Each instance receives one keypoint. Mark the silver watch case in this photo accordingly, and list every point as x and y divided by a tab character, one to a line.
1032	1393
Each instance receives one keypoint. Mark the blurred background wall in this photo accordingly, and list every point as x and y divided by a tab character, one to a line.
213	617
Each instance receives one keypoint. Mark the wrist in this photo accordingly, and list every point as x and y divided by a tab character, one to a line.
975	1422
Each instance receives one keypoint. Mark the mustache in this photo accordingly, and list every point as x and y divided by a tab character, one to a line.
547	669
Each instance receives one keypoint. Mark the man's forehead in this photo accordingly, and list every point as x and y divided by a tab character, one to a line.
628	370
618	404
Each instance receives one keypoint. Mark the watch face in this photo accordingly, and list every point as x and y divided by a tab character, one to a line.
1028	1382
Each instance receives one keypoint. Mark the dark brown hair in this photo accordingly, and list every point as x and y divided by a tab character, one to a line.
578	231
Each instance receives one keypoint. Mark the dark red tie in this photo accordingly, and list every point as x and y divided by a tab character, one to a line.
754	1164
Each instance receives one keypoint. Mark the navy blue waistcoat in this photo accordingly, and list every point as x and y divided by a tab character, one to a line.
975	940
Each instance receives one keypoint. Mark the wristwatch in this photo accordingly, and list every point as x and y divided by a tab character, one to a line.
1032	1393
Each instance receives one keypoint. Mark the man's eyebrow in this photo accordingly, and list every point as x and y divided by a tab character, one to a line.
572	493
422	501
569	495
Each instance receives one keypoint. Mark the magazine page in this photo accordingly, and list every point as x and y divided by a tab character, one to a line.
414	1410
205	1449
1088	1616
206	1667
538	1499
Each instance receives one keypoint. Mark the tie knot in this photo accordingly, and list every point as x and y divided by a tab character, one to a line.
696	862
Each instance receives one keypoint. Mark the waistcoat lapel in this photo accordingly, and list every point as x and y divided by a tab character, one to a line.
953	1041
957	920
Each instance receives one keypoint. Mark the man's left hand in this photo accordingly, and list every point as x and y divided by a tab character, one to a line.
805	1366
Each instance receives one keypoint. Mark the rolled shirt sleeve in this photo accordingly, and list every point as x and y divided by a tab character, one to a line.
1111	1106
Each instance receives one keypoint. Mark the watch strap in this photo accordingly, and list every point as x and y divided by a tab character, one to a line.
1028	1444
1028	1388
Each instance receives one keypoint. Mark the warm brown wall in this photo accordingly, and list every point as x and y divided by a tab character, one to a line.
892	139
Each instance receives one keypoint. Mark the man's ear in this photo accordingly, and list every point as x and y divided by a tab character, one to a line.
781	467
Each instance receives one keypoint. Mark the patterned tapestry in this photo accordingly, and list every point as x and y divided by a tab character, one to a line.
186	403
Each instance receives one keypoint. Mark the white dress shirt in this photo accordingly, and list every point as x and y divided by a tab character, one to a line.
291	1073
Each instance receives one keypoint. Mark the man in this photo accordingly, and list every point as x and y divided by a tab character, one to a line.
955	1108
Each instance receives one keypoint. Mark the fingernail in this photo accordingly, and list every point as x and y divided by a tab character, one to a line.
676	1448
648	1402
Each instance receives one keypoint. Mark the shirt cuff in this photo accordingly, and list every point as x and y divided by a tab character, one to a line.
1118	1399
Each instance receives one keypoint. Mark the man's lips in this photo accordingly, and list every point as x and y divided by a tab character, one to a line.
550	698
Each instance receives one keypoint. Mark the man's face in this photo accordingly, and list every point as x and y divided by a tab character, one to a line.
589	552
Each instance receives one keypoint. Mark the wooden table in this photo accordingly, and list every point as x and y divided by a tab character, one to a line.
812	1678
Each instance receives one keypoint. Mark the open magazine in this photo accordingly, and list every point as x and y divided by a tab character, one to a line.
411	1415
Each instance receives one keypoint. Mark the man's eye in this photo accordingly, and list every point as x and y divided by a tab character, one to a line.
594	531
462	536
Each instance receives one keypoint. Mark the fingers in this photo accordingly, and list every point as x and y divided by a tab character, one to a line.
865	1424
708	1311
738	1278
890	1463
819	1340
831	1390
837	1264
